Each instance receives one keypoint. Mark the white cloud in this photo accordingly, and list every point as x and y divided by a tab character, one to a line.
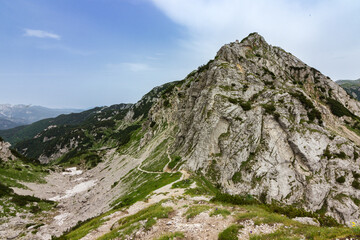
318	32
66	49
40	34
131	66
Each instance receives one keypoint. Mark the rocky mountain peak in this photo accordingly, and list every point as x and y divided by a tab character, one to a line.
257	120
254	43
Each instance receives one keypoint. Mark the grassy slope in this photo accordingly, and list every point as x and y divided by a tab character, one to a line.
12	173
260	214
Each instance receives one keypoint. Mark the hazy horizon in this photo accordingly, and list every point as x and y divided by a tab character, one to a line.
82	54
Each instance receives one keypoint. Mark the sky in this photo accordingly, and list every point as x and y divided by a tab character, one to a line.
86	53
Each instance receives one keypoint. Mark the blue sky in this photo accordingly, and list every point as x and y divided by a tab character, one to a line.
87	53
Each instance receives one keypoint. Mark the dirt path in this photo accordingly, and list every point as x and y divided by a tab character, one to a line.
158	195
165	169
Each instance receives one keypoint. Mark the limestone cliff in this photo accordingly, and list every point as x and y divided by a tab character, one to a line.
257	120
5	152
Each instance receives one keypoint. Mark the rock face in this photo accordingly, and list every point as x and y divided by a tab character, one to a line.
5	153
257	120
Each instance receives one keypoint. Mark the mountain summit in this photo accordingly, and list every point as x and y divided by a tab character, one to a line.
253	125
257	120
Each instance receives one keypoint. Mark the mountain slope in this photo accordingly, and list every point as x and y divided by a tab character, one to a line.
26	114
256	120
15	172
7	124
255	140
76	135
352	87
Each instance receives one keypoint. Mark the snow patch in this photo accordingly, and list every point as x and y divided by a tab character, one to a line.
78	179
81	187
72	171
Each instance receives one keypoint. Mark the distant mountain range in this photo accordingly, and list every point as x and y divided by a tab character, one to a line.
16	115
352	87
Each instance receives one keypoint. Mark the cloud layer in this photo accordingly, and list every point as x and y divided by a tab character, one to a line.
40	34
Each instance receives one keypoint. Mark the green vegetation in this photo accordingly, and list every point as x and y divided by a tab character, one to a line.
174	161
167	103
183	183
289	211
312	112
203	187
338	109
236	178
269	108
246	106
220	211
351	87
81	229
356	155
234	199
158	158
15	171
171	236
88	131
340	155
355	184
127	225
327	153
196	210
355	175
267	71
340	179
124	136
230	233
142	184
5	190
12	203
204	67
306	232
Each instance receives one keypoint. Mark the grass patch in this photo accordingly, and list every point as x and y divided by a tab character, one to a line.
204	187
235	199
174	161
236	178
196	210
289	211
246	106
183	183
127	225
312	112
300	231
172	236
340	179
338	109
143	185
81	229
157	159
230	233
220	211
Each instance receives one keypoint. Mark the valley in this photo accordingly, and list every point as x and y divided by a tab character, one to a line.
255	144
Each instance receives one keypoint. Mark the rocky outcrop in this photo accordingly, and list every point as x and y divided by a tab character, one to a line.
257	120
5	152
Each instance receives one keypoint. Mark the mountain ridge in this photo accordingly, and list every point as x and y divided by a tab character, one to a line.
255	125
311	111
352	87
21	114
